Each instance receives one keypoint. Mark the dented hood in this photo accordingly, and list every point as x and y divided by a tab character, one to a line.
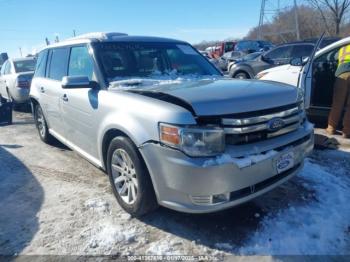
227	96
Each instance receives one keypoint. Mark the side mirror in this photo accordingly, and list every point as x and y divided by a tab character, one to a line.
299	61
76	82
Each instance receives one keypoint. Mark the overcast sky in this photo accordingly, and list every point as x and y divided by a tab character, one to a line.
26	23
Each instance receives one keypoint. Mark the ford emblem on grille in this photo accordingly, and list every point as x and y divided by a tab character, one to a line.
275	124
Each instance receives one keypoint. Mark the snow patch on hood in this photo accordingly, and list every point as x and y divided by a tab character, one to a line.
128	83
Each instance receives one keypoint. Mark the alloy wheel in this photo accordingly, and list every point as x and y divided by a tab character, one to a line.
124	176
41	122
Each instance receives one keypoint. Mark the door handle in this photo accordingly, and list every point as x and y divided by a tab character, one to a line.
65	98
42	89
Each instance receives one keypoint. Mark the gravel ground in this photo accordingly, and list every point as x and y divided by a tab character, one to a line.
52	201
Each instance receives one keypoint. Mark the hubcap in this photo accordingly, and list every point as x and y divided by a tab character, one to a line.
41	122
124	176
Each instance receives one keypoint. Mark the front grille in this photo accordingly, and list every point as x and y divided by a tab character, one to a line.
256	128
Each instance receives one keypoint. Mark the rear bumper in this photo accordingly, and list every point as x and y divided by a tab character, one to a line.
20	95
187	184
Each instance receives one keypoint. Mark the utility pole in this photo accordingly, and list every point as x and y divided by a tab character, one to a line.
270	9
74	33
20	51
296	18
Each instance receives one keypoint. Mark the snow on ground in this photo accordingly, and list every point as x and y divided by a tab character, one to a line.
316	228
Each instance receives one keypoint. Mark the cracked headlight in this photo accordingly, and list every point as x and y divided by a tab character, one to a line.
193	141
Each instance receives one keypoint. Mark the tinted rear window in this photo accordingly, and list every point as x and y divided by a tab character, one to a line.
24	66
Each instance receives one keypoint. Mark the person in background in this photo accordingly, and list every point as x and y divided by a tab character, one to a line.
341	94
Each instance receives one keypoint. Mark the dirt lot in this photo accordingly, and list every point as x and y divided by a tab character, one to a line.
54	202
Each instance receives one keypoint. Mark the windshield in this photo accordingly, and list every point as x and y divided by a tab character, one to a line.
122	60
24	65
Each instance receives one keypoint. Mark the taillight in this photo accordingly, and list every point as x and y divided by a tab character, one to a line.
23	83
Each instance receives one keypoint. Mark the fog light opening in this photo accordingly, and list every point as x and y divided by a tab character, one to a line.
221	198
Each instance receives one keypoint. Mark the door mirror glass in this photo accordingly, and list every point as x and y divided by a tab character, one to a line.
76	82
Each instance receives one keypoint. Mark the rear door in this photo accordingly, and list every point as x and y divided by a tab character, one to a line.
52	88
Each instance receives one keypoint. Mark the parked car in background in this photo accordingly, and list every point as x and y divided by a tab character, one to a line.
318	84
287	74
279	55
227	57
325	42
165	124
248	57
3	58
15	78
251	46
212	60
221	48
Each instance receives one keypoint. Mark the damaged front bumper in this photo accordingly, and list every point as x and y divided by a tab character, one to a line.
202	185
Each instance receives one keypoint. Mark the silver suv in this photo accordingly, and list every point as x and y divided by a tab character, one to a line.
165	125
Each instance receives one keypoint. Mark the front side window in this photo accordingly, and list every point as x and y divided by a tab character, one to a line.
279	56
41	64
80	62
279	53
58	63
151	60
302	51
24	65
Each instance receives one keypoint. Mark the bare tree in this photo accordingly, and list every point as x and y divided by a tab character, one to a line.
310	21
335	8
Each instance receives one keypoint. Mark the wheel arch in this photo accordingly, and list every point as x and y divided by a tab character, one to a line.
242	69
106	140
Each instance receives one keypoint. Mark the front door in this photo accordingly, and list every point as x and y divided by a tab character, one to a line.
80	105
305	78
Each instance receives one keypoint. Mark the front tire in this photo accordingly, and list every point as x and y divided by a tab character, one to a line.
129	178
242	75
41	124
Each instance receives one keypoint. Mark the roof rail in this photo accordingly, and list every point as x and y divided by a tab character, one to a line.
99	36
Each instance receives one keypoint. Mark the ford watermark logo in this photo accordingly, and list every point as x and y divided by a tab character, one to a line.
275	124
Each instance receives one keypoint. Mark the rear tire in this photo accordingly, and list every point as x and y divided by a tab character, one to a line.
129	178
41	124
